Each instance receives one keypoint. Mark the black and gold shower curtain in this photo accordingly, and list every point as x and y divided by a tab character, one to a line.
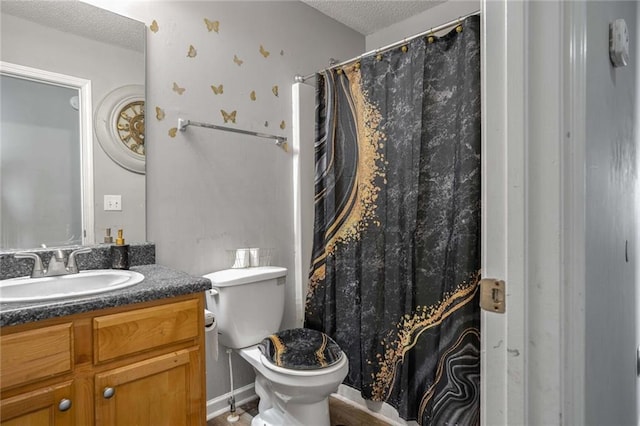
396	256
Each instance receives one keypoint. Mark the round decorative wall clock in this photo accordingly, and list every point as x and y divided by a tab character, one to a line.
119	126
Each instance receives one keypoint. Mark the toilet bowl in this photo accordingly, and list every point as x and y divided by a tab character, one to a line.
293	397
293	377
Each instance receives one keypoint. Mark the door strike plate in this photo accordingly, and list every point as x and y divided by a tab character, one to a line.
492	295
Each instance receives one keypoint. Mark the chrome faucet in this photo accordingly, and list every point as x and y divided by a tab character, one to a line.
59	264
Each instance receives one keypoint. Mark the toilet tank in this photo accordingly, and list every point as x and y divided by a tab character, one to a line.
247	303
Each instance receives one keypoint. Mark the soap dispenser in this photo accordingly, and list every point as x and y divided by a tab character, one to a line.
120	253
108	239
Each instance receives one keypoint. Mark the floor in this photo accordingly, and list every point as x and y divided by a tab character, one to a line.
342	414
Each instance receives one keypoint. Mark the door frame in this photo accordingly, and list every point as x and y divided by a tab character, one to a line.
574	208
503	67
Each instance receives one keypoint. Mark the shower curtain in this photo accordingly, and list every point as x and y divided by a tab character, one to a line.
396	256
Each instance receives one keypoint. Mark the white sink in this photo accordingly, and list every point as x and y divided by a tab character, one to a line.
27	289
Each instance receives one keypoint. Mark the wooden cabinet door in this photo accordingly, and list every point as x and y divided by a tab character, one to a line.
52	405
32	355
165	390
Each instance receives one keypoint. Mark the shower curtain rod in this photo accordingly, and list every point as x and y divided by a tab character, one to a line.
301	79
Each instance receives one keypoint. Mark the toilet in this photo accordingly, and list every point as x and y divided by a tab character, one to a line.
297	369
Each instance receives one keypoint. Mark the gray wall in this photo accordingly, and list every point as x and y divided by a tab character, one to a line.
611	220
210	191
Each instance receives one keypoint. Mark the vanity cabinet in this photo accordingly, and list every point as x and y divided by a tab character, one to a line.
139	364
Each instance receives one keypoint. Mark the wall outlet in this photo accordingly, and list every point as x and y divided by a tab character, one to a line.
113	202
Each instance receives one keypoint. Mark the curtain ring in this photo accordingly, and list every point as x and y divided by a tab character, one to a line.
430	37
459	27
404	48
357	65
379	57
339	71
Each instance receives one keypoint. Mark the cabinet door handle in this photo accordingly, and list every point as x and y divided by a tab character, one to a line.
64	404
108	392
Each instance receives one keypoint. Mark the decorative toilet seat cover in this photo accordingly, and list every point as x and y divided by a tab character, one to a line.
301	349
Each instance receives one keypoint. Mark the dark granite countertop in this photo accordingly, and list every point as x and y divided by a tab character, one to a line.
159	282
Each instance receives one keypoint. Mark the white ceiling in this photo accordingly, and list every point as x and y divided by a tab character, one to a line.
369	16
81	19
364	16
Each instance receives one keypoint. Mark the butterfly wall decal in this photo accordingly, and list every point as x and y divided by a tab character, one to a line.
264	52
217	90
212	25
252	95
237	60
154	26
283	125
192	52
173	131
228	116
159	113
274	89
179	90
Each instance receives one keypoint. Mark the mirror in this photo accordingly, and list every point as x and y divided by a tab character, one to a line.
79	42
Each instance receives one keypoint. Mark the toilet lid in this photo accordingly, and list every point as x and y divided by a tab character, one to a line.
301	349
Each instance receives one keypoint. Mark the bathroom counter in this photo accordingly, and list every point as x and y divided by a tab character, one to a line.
159	282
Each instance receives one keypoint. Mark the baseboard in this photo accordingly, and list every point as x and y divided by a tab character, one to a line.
379	410
346	394
219	405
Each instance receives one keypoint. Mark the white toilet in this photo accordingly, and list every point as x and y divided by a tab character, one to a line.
296	370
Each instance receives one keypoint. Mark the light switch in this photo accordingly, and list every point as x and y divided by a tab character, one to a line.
113	202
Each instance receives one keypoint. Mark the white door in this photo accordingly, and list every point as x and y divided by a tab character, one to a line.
533	133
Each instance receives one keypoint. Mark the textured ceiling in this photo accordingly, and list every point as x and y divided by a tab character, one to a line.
364	16
369	16
81	19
